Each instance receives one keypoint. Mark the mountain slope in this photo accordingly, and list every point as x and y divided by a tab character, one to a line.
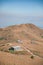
25	31
32	40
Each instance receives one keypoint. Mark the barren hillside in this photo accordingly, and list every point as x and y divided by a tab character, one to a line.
32	41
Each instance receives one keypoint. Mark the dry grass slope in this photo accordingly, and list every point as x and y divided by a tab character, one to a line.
32	39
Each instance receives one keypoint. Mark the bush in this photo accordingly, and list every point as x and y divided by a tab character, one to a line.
32	57
11	51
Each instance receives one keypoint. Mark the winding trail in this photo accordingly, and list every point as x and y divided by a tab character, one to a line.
32	53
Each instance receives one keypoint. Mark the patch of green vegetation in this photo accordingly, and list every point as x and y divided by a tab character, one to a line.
11	51
1	38
18	52
42	36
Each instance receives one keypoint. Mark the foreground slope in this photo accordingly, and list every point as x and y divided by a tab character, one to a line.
12	59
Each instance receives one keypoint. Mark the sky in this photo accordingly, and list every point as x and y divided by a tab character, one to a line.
14	12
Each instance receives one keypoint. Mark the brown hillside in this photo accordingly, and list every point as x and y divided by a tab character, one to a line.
32	39
28	31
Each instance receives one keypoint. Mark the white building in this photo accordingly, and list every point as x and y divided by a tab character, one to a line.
16	48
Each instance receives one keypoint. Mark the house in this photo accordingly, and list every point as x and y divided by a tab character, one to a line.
16	48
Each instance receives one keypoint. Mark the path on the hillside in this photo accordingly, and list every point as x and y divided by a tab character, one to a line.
31	52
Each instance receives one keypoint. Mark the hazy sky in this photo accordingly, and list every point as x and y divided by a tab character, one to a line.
21	11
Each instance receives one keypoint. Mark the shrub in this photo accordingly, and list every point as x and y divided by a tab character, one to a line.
32	57
11	51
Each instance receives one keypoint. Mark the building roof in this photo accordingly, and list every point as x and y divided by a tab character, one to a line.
16	46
